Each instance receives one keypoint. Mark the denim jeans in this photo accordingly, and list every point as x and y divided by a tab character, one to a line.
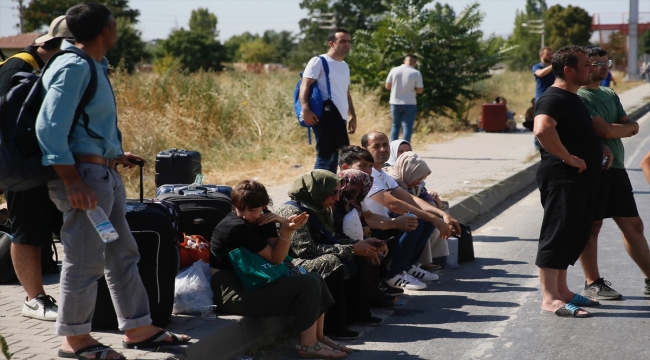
403	115
330	163
87	258
408	249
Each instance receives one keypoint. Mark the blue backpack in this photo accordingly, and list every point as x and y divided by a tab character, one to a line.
315	99
20	154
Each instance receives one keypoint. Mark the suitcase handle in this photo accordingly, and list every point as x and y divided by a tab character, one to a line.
181	191
140	163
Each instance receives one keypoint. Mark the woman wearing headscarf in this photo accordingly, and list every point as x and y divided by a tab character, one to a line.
397	148
316	247
349	222
409	172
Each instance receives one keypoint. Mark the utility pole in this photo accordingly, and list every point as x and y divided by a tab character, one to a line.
632	42
21	15
536	27
326	21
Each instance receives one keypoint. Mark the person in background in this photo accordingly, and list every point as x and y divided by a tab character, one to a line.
252	226
529	117
544	77
511	125
608	80
404	83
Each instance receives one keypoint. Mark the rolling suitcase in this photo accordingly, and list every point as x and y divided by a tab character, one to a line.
201	210
493	118
177	166
154	225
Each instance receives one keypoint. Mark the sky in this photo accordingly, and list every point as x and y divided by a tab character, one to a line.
159	17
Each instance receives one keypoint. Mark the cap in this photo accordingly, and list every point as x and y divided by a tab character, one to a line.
58	29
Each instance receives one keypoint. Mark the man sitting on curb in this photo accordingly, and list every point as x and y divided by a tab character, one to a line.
33	215
402	267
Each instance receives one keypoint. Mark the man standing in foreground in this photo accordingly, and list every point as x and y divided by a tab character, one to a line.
86	166
330	129
404	82
615	196
34	218
567	179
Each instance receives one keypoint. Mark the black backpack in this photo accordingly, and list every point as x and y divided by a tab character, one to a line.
20	154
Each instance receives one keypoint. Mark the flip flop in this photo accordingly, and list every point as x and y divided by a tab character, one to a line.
579	300
157	340
568	310
336	346
100	350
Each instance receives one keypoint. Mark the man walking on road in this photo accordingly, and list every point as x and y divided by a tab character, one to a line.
330	129
404	82
86	167
567	178
34	218
615	196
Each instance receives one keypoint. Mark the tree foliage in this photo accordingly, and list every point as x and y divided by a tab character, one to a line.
644	43
197	48
129	49
526	43
256	51
40	13
452	55
569	25
233	45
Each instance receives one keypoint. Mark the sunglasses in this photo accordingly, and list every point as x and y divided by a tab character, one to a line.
602	64
337	192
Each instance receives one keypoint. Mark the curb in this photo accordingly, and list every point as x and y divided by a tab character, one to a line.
638	113
483	202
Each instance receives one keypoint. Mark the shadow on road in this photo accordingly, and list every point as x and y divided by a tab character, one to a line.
498	239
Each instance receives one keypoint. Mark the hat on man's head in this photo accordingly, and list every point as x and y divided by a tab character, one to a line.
58	29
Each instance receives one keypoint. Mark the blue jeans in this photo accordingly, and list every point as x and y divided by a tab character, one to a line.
331	163
403	115
87	258
409	248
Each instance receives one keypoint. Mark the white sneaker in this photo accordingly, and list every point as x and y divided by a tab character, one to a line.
402	280
42	307
422	275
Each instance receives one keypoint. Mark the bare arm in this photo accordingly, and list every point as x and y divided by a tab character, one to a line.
352	115
452	223
419	90
543	72
388	86
80	195
404	223
645	166
605	130
544	129
278	248
307	114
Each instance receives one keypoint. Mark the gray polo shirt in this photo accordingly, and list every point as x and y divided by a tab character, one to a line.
404	79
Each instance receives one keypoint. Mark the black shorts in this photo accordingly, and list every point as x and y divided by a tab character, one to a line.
568	217
34	217
615	195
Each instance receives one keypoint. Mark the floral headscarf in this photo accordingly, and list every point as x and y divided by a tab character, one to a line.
357	186
394	146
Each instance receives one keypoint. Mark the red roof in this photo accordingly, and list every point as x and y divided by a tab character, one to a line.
18	41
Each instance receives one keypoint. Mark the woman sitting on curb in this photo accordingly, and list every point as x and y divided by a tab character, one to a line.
340	260
306	297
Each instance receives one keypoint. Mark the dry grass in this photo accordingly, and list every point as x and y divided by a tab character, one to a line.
621	84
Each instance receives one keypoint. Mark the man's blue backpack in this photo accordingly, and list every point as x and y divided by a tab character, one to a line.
20	154
315	99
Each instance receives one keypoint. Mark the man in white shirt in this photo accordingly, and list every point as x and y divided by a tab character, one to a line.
330	129
404	82
402	269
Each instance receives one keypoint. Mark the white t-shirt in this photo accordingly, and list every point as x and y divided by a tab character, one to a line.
381	182
339	81
404	79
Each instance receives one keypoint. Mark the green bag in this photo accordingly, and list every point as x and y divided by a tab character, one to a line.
253	270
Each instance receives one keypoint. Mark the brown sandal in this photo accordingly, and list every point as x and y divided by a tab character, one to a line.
333	344
310	352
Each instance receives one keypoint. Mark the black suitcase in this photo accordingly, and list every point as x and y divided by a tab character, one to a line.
177	166
201	210
465	244
154	225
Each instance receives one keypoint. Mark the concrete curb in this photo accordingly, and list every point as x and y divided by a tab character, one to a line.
483	202
638	113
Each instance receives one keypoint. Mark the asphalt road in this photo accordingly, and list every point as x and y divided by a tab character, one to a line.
489	308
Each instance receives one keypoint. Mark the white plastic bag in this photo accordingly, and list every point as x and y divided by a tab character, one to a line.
193	289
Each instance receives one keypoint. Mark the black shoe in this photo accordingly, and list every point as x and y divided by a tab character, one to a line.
344	334
384	288
381	303
369	321
646	288
601	290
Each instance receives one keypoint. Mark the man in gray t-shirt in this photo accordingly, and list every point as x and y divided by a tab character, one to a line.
404	82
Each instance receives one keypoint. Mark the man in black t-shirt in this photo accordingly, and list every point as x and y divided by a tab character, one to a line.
567	179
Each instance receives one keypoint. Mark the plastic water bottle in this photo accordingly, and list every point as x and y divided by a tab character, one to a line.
103	226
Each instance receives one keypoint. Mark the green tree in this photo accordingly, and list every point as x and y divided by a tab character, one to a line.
233	44
452	55
40	13
129	49
569	25
256	51
644	43
203	21
193	50
526	43
283	43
